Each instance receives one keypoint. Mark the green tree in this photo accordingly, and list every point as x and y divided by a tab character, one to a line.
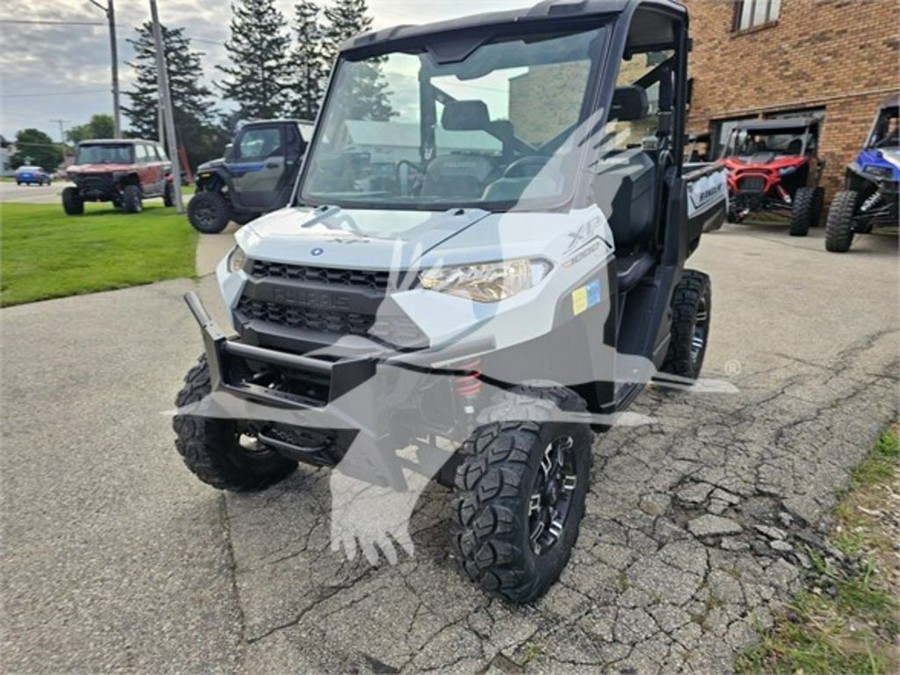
259	74
192	105
99	126
347	18
307	61
35	147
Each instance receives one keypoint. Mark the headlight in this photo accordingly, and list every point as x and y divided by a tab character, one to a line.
486	282
787	171
236	260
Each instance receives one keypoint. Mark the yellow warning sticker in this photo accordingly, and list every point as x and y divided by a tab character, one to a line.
580	300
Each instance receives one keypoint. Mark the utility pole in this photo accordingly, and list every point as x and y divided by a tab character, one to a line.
166	106
110	11
62	133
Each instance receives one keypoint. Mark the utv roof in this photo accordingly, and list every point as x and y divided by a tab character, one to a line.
114	141
778	123
548	9
279	120
892	101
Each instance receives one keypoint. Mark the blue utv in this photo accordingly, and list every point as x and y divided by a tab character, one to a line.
870	196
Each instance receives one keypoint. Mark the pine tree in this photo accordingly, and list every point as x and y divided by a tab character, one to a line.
347	18
191	101
308	61
260	71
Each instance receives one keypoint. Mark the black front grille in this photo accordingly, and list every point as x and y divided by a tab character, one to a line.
96	184
321	275
303	317
752	184
325	300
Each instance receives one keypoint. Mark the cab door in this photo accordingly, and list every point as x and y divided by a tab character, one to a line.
257	164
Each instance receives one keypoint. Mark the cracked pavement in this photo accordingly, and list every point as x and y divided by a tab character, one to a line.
697	528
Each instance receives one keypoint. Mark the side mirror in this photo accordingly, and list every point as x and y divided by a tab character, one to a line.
229	151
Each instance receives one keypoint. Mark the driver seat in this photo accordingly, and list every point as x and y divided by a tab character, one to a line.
460	176
457	176
626	188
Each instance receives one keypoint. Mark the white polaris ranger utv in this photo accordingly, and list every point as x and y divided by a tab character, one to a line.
483	260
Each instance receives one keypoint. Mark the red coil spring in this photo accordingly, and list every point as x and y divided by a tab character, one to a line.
469	386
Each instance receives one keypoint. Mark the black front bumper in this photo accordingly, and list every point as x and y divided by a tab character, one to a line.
97	188
223	354
369	391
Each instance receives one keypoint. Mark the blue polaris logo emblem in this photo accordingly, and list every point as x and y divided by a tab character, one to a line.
318	251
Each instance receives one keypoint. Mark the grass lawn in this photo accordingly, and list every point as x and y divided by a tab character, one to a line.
846	619
47	254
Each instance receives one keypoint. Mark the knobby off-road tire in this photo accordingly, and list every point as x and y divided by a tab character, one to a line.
803	211
213	450
839	226
73	204
502	493
818	207
691	313
209	212
131	199
169	194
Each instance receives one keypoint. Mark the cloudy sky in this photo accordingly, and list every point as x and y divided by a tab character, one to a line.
54	67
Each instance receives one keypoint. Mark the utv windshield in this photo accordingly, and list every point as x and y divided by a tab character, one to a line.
787	142
408	130
887	130
105	153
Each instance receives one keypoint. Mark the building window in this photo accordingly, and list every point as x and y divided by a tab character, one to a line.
751	13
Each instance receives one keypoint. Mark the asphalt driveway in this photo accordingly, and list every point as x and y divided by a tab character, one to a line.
32	194
115	558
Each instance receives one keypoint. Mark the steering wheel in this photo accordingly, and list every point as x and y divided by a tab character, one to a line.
526	167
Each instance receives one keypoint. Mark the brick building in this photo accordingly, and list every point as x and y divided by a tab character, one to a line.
767	58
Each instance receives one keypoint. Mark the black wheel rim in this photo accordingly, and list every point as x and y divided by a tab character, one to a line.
552	497
205	216
701	331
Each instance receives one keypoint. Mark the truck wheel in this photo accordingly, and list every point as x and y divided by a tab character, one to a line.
73	204
216	450
691	311
818	206
169	195
209	212
520	494
803	211
131	199
839	225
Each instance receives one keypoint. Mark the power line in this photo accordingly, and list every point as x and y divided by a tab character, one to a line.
52	23
91	23
211	42
55	93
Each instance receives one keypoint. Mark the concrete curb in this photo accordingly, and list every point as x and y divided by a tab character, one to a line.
211	248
